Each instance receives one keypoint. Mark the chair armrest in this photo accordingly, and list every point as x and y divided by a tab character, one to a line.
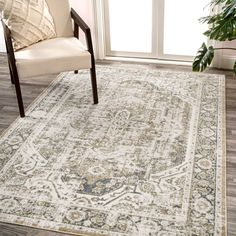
79	23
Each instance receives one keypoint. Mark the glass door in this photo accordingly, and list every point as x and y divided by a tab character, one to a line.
182	33
157	29
129	27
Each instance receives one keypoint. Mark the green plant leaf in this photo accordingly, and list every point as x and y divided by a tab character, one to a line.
224	28
229	9
234	68
217	2
204	58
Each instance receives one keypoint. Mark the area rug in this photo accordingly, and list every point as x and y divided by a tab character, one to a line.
148	160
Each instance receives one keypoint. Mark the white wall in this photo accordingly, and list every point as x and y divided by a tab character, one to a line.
84	9
2	43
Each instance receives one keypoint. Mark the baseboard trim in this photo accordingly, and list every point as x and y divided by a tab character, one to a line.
148	61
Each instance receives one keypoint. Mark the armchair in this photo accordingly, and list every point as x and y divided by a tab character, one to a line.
63	53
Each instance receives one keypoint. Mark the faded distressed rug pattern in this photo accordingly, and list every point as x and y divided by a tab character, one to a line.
148	160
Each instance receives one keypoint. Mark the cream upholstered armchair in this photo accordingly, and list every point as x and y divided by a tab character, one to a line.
62	53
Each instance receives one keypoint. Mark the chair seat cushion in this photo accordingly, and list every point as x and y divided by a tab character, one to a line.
52	56
29	21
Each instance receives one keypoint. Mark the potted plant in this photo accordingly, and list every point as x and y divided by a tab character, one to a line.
222	27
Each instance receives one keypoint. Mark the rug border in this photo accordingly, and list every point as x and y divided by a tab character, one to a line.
224	156
51	230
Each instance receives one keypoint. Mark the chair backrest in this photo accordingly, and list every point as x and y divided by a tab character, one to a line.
60	11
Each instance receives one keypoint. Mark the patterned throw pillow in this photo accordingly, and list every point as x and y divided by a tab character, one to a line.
29	21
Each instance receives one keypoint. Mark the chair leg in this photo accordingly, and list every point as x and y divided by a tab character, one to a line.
76	71
94	84
11	75
10	70
18	92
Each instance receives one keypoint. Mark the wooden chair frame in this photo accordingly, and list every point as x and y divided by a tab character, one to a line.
78	24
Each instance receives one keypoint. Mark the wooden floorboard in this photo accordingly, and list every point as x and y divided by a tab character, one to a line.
32	88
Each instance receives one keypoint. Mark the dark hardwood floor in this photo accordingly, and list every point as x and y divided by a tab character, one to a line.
32	88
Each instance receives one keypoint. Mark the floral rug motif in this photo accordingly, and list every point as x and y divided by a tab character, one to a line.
148	160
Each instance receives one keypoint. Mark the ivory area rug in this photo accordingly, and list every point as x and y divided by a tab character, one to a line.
148	160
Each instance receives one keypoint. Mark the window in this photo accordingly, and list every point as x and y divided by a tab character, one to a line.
161	29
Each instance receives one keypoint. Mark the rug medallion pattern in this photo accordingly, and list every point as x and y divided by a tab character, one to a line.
149	159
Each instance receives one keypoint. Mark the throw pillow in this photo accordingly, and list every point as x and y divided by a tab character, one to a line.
29	21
